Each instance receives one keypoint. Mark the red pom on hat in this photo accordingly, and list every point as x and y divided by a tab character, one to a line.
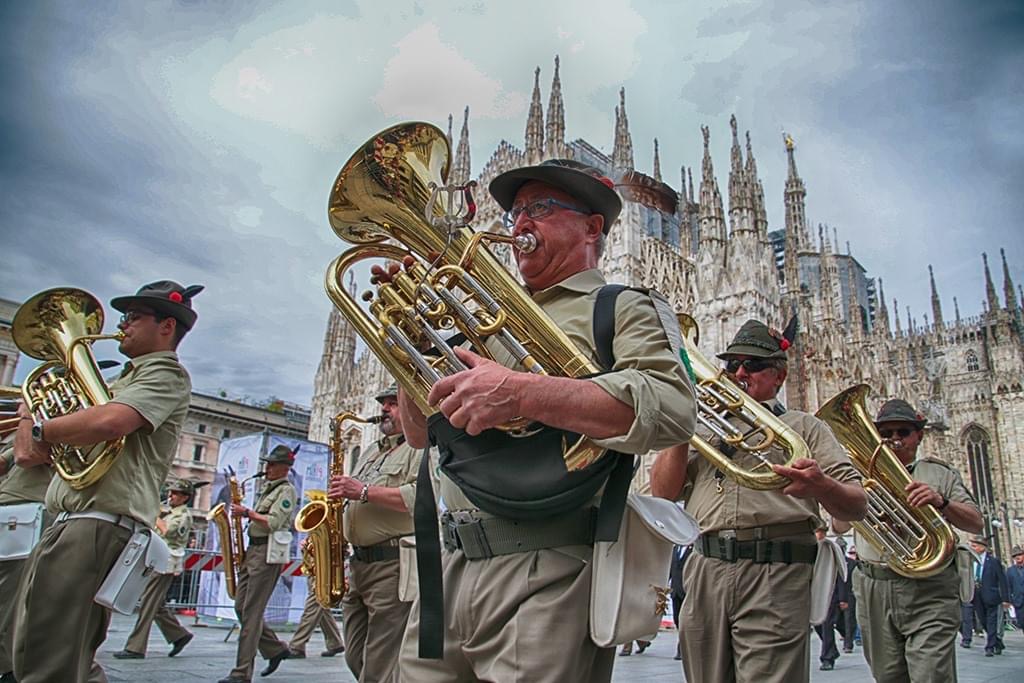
784	344
175	297
608	182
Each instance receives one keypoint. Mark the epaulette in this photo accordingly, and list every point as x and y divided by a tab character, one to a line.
936	461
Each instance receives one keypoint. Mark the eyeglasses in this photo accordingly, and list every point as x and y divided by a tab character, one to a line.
902	432
751	365
131	316
542	208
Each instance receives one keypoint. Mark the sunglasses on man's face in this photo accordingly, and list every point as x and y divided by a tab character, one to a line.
751	365
902	432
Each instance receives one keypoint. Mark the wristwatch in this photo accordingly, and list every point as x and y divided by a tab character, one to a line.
37	431
364	495
945	502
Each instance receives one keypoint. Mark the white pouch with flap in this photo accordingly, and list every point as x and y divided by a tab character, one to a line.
20	528
629	588
408	580
145	555
828	564
279	547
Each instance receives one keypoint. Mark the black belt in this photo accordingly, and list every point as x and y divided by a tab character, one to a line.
759	552
259	540
382	552
758	533
492	536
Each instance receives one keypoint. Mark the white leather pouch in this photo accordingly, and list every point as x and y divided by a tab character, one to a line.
177	559
408	581
20	528
965	559
629	588
827	566
146	554
279	546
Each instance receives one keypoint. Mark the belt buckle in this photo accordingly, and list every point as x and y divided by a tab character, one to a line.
726	533
449	535
727	549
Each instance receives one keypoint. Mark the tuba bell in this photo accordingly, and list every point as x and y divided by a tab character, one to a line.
443	278
58	326
916	542
740	422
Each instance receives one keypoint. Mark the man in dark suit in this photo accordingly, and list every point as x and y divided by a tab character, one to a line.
847	621
1015	582
675	581
990	594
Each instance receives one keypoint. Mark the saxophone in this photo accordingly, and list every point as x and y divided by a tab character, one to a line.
229	531
321	520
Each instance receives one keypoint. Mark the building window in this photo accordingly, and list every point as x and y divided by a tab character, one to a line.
226	434
980	466
972	361
202	428
197	453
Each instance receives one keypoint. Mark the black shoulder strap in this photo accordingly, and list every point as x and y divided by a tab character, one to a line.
604	324
428	564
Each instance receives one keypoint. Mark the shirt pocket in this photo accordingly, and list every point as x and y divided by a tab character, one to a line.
391	473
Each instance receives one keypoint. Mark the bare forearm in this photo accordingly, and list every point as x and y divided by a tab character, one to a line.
385	496
840	527
574	405
964	516
845	502
414	423
93	425
27	451
668	474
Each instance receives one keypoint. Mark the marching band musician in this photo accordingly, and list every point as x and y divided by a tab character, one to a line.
380	495
19	485
747	605
93	525
909	626
516	596
175	528
273	512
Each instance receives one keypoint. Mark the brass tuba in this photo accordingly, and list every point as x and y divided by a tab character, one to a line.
321	519
916	542
229	533
58	327
740	422
394	188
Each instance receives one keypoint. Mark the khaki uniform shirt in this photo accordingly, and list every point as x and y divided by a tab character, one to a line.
278	501
24	484
648	374
393	465
940	476
158	388
179	524
738	507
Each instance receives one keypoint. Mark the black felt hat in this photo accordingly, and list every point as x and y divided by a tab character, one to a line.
166	297
757	340
583	183
898	410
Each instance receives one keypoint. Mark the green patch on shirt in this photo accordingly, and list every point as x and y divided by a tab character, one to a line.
286	503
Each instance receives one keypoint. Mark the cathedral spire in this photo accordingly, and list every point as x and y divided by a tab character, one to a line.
689	174
756	194
622	152
741	209
936	302
882	319
657	162
451	142
896	315
956	311
711	215
910	322
990	290
1011	296
825	271
461	168
556	119
535	125
794	196
854	318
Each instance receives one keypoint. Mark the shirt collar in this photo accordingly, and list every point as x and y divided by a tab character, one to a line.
138	361
582	282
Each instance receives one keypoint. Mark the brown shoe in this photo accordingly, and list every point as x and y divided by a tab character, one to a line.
331	651
128	654
296	654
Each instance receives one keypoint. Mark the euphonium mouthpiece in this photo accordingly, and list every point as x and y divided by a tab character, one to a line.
524	243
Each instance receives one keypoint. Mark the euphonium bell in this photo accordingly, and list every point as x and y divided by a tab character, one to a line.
737	420
916	542
443	278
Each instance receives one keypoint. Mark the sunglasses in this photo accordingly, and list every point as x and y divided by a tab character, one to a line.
902	432
751	365
131	316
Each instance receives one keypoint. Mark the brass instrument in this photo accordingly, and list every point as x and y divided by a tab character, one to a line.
58	327
724	408
394	188
321	519
916	542
229	532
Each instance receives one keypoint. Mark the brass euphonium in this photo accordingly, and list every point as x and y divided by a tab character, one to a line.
916	542
394	188
739	421
230	535
323	556
58	326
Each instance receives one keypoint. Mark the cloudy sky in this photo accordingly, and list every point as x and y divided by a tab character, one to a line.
198	141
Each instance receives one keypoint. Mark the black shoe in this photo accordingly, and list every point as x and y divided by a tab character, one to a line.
965	643
679	653
233	679
847	650
625	651
179	645
989	653
999	650
827	666
642	645
275	662
8	678
331	651
128	654
296	654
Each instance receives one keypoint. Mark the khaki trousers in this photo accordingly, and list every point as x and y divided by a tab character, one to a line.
10	574
743	621
313	615
521	617
256	581
909	626
55	602
374	620
154	608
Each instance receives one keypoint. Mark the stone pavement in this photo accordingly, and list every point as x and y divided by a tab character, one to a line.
208	658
